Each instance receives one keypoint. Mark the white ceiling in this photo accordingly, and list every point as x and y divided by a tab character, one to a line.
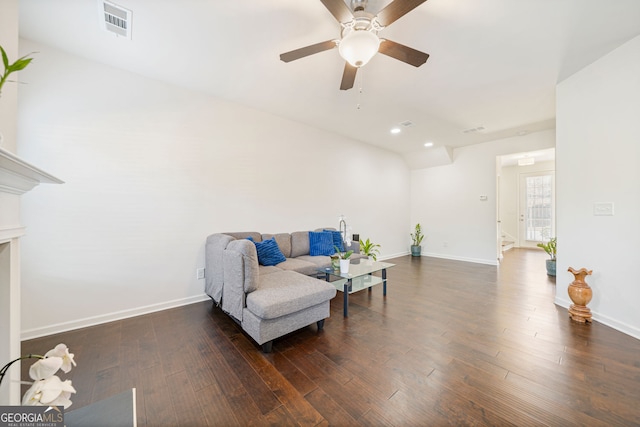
493	63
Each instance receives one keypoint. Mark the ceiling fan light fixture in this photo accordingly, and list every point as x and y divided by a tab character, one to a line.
527	161
358	47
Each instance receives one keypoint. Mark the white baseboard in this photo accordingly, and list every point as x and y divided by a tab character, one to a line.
457	258
109	317
605	320
390	256
617	325
454	258
508	246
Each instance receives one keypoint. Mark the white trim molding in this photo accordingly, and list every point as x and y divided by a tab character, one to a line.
6	234
605	320
493	262
18	176
109	317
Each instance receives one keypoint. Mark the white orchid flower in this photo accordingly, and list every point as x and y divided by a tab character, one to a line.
47	389
49	392
62	351
45	368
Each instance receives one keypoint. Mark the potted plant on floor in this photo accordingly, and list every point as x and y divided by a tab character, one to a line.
370	249
550	249
344	260
417	237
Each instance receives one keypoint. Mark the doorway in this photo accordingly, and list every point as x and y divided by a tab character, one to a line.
525	212
536	208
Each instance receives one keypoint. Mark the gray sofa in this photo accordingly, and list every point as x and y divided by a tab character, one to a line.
268	301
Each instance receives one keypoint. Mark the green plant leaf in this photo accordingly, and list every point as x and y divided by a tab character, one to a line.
20	64
368	248
342	255
5	59
550	247
417	236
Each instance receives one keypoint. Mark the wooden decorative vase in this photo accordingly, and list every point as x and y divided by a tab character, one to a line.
580	293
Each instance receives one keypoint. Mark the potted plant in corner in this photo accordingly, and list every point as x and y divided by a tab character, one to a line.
370	249
550	249
344	260
417	237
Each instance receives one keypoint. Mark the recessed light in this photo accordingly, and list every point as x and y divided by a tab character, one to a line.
395	130
428	144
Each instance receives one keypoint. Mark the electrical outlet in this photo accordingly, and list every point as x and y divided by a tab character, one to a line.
200	273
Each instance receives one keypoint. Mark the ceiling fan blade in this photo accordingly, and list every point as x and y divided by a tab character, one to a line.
348	77
308	50
402	53
339	10
396	10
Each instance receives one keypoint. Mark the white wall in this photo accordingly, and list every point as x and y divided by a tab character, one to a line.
9	97
510	193
9	215
445	200
597	156
9	203
152	169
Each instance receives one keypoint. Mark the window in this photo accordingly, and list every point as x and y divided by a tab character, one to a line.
539	207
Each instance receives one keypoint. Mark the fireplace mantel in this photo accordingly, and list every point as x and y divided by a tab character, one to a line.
18	176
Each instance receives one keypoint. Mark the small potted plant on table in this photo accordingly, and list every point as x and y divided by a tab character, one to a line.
344	260
370	249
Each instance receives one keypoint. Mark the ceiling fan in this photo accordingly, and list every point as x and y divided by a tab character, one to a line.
359	40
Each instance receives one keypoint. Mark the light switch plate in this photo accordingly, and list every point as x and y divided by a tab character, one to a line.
603	208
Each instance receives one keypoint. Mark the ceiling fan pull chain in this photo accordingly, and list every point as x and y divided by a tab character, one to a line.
359	77
359	94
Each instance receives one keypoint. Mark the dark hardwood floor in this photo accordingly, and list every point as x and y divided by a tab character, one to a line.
453	343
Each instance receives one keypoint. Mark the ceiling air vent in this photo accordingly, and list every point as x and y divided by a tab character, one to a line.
406	124
472	130
116	19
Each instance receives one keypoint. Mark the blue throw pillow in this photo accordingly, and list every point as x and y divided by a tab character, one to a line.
321	243
268	252
337	239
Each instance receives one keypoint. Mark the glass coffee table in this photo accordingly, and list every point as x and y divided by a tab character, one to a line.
359	277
